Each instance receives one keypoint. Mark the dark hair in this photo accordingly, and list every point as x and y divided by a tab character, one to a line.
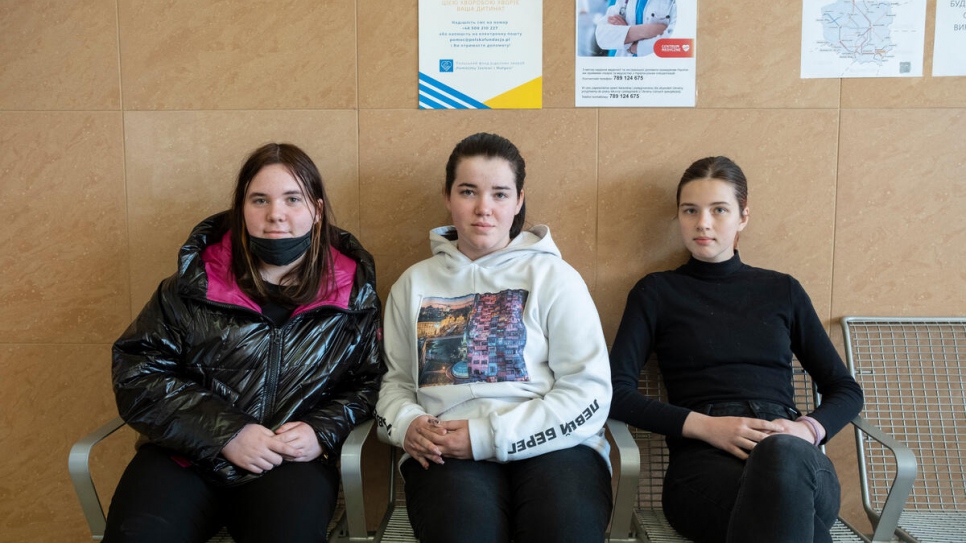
303	282
721	168
491	146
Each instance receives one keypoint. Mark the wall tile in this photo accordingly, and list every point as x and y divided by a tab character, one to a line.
388	55
65	255
744	62
892	93
791	194
58	54
262	54
182	167
403	157
900	228
51	396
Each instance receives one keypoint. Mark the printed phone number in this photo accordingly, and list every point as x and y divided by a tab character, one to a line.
624	95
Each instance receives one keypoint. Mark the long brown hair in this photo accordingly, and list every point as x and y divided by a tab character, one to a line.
301	285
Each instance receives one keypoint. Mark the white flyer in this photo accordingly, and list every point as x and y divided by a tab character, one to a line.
862	38
949	53
480	54
635	53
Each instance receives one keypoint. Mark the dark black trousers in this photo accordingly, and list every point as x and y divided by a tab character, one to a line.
786	490
158	500
562	496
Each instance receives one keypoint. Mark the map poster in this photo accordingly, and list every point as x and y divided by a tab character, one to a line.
480	54
635	53
863	38
949	53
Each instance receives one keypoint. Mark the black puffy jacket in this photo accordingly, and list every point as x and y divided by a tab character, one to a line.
201	361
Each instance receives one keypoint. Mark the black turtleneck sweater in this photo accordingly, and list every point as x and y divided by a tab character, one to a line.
724	332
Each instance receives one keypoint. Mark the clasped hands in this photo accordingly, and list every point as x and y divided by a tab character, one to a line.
739	435
258	449
429	439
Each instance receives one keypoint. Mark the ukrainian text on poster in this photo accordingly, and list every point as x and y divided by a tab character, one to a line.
949	53
480	54
635	53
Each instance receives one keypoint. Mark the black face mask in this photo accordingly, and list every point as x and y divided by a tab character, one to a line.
280	252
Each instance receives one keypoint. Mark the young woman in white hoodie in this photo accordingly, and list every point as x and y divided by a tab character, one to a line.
498	384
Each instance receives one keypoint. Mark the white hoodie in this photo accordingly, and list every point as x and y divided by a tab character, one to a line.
455	324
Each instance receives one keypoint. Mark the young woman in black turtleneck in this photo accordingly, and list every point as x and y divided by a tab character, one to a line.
744	463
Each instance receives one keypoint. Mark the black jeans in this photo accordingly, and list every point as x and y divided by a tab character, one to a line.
561	496
158	500
787	491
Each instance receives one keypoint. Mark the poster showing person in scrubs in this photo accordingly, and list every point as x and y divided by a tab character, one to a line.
630	28
635	53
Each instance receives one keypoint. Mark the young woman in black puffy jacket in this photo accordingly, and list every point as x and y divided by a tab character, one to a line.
247	369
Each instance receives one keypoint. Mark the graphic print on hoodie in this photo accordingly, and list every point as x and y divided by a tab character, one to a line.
473	338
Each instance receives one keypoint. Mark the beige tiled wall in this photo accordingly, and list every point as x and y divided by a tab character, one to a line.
124	122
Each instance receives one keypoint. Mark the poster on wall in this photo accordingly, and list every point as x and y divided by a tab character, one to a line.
480	54
635	53
862	38
949	53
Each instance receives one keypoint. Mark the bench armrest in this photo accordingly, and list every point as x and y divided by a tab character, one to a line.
886	521
623	529
351	469
78	463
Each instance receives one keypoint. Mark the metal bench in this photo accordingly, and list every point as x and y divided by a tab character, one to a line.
644	458
913	369
348	521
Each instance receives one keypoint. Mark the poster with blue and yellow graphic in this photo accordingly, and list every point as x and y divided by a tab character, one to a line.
480	54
